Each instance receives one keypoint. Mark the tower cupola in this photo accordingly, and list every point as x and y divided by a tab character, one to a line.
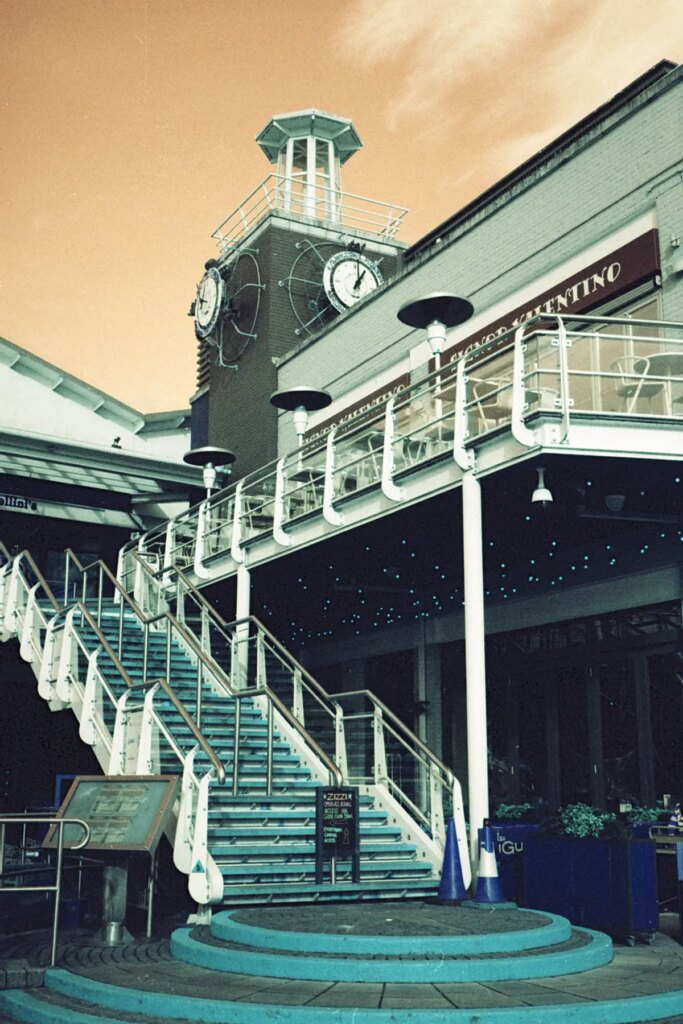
309	148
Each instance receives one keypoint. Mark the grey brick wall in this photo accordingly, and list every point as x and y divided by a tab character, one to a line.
628	164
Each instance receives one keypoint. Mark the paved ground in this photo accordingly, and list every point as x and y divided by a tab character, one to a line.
641	970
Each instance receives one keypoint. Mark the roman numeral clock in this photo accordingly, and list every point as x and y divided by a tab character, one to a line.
294	256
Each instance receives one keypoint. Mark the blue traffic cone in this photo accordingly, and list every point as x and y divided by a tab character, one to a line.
488	885
452	886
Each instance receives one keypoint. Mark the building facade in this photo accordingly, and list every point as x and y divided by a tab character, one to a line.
582	597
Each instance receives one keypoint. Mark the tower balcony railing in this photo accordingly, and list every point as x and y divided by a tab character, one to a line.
532	385
320	202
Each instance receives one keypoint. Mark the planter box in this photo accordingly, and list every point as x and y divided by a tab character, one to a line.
510	839
596	883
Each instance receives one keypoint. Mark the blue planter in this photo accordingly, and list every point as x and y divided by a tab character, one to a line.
510	839
596	883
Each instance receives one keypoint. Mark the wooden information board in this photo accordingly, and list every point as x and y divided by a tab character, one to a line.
124	812
337	833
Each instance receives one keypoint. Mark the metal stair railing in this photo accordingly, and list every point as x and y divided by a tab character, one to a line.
66	656
214	666
242	649
425	787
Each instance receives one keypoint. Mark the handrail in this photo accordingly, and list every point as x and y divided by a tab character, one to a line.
59	823
284	710
189	721
225	627
328	699
41	579
211	665
388	713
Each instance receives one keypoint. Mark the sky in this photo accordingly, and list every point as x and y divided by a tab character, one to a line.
128	126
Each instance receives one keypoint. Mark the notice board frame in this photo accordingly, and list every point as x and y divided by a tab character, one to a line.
150	802
336	809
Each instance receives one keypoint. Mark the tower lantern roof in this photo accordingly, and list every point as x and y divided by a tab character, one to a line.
304	123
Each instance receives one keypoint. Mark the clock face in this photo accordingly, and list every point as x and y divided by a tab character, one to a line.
349	277
325	281
208	303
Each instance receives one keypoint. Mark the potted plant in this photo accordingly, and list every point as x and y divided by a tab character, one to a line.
586	865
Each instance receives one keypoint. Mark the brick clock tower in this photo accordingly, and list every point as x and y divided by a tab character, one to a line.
297	253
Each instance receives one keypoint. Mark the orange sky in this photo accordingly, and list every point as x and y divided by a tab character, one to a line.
128	135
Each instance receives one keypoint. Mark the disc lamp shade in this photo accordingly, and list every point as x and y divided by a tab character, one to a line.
300	401
435	313
210	459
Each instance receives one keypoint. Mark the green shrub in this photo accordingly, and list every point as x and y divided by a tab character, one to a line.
583	822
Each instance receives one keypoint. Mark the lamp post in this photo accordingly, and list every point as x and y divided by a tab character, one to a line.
435	313
300	401
210	459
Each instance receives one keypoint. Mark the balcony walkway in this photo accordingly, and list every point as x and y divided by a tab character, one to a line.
585	386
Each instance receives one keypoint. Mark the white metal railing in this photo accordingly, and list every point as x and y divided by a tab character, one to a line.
331	205
534	382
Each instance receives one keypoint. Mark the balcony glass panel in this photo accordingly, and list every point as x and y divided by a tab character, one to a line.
258	504
304	481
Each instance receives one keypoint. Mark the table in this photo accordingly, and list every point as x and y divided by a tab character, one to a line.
667	364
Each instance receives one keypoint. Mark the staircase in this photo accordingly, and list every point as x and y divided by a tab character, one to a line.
162	685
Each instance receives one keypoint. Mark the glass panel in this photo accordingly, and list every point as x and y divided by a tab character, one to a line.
666	672
619	734
573	713
322	158
299	156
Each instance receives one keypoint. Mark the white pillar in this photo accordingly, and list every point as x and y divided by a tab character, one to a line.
243	599
475	658
242	611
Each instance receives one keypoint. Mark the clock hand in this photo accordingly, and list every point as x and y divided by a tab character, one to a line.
360	277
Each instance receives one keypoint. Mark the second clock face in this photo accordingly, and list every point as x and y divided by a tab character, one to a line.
349	277
208	302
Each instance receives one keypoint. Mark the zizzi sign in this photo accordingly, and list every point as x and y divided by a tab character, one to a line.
13	501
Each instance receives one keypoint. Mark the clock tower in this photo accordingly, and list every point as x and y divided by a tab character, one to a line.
296	254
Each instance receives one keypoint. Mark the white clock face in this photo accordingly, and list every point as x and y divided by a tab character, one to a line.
208	304
348	277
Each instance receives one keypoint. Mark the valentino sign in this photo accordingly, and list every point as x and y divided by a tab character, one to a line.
614	274
622	270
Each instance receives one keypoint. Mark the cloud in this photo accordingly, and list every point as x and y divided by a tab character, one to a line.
541	58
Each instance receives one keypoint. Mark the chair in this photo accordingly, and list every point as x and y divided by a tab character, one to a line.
492	398
632	382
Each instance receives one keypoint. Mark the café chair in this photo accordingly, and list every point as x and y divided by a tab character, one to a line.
633	383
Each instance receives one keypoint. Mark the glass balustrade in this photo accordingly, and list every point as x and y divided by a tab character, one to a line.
618	367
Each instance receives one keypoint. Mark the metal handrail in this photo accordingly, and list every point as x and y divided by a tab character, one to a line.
226	627
39	576
188	719
270	195
59	823
209	663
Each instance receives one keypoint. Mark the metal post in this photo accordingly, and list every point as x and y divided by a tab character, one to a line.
475	658
269	755
236	748
99	596
151	880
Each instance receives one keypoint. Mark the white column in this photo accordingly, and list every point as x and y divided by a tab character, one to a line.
242	611
475	659
243	600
